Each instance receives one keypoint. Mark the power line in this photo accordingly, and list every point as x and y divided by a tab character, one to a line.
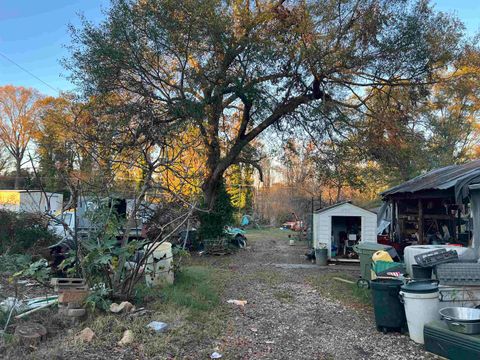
28	72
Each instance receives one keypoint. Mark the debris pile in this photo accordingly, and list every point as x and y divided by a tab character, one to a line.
72	293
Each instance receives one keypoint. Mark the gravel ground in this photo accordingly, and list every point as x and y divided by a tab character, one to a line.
286	318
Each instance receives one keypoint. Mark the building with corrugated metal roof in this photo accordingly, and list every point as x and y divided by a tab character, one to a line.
435	207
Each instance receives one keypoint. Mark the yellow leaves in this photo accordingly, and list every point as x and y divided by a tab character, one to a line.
19	110
193	62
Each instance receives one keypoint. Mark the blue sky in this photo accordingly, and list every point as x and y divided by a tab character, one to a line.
33	33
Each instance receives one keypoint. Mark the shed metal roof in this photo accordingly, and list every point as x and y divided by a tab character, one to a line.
456	176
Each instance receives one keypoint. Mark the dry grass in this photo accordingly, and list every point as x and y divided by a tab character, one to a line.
193	308
284	296
349	294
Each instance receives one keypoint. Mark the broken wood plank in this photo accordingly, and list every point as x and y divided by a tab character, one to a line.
344	280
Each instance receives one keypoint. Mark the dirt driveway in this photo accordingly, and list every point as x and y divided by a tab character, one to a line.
289	317
295	310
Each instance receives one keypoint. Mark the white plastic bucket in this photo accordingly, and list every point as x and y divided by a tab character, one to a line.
159	269
420	309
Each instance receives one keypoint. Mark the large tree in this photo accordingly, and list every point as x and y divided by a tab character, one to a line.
439	121
19	111
202	62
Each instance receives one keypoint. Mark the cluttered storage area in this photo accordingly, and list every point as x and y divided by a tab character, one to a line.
424	272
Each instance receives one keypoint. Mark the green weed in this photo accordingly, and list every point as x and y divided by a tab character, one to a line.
349	294
284	296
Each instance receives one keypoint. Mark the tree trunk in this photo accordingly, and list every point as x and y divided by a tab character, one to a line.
18	169
210	186
339	193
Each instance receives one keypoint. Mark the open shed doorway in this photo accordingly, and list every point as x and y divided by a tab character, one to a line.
346	232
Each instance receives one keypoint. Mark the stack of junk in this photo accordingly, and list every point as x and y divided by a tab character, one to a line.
71	295
434	295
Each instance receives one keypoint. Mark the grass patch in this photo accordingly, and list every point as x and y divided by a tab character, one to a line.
262	234
348	294
269	277
196	289
192	308
284	296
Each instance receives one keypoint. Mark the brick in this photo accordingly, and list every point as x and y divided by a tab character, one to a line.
72	296
71	288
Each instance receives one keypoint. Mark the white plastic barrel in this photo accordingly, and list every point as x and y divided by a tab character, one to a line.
158	269
464	254
420	309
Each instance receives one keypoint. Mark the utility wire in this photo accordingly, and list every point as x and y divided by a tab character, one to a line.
28	72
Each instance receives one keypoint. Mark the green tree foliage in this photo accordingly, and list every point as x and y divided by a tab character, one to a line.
240	187
55	147
197	62
392	133
409	132
214	220
452	112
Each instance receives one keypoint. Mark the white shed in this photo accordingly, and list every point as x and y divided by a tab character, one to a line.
342	223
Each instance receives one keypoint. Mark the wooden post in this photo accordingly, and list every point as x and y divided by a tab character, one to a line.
394	220
420	222
458	228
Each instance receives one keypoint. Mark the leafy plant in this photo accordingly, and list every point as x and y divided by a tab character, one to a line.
179	257
98	299
14	262
38	271
98	253
213	222
23	232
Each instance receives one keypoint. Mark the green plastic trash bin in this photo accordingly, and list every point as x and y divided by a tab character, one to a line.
365	251
389	311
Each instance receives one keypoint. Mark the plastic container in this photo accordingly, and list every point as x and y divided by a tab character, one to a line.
382	255
436	257
458	274
421	300
419	272
440	340
365	252
464	254
389	311
321	256
158	269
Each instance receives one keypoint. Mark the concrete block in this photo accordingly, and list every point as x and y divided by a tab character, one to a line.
74	305
76	312
67	282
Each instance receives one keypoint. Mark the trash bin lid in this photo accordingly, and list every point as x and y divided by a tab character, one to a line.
421	287
372	246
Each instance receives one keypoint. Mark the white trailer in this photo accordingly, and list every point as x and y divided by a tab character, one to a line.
31	201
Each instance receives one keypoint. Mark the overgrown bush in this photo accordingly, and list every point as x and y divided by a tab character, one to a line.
13	263
24	232
213	222
96	258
